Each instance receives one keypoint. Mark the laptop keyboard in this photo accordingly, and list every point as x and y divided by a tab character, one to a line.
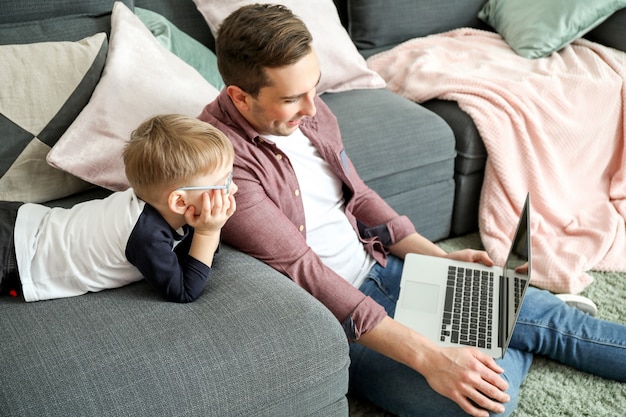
519	286
468	307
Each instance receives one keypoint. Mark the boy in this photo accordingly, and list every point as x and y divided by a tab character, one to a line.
165	228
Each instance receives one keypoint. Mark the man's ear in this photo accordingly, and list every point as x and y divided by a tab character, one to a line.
177	202
240	98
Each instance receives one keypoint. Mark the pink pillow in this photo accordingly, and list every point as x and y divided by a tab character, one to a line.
343	68
140	79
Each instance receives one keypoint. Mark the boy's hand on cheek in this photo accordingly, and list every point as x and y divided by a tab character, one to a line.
216	207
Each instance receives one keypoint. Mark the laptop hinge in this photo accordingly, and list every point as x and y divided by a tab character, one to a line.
504	308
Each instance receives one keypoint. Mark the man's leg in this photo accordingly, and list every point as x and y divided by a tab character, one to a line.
547	326
399	389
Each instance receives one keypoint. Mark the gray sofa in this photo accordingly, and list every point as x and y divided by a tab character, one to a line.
376	26
254	343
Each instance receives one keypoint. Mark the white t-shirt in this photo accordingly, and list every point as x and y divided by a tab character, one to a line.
329	233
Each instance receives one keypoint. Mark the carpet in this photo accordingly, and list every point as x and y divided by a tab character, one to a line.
552	389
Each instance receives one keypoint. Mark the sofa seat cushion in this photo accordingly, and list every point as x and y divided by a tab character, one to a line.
125	352
403	151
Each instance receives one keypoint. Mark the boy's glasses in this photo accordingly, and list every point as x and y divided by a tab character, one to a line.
210	187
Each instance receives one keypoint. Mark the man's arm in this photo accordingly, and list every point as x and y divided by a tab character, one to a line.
416	243
261	229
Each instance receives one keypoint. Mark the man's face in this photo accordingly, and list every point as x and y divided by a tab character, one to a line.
279	108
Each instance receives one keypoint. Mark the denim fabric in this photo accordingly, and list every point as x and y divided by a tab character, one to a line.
545	326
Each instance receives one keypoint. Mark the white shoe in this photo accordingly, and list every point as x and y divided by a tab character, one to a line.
584	304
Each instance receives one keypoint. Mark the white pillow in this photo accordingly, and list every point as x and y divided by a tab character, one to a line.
140	79
343	68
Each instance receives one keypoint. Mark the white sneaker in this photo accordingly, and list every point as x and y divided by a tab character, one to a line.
584	304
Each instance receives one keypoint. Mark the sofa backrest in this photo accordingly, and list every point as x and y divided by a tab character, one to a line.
374	24
185	15
29	21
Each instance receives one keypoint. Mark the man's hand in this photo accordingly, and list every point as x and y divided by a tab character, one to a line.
471	255
464	375
469	378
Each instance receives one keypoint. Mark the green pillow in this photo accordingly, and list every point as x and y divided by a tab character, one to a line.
536	28
182	45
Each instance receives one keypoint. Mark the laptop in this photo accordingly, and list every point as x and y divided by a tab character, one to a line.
437	300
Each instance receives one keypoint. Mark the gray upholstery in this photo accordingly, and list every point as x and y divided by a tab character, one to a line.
403	151
612	32
469	166
253	344
374	24
35	21
376	27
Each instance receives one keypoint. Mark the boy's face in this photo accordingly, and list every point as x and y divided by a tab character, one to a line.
279	108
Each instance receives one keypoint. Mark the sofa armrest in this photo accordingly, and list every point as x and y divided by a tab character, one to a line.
253	344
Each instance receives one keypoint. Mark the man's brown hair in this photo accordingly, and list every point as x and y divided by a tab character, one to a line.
256	37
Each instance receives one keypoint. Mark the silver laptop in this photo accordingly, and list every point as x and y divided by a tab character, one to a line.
440	298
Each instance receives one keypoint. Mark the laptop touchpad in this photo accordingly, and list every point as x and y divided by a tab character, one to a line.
420	297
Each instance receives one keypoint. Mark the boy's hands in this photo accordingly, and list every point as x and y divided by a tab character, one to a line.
216	209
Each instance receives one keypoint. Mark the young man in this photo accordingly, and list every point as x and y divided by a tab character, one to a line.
293	214
166	228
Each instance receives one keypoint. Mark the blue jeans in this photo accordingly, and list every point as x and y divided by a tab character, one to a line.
545	326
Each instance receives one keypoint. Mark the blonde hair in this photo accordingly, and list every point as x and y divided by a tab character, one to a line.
167	151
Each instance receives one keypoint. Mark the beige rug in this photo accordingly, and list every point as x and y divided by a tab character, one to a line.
552	389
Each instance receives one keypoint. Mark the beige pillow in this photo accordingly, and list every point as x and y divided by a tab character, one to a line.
141	79
343	68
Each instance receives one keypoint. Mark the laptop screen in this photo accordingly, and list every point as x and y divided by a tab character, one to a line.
517	270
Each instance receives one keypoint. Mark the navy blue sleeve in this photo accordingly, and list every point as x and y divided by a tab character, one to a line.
175	274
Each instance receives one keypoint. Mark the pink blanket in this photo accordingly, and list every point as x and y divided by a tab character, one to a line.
552	126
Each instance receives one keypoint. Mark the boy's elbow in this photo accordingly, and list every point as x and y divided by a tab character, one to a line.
183	297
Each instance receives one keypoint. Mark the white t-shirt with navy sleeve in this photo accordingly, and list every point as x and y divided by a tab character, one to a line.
102	244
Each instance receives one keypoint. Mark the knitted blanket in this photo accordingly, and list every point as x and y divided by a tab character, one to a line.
553	127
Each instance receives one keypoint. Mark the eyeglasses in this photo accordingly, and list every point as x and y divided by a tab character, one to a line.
226	186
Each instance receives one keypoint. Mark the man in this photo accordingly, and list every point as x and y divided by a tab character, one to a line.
303	209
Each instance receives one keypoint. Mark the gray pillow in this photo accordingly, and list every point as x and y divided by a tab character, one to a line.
378	23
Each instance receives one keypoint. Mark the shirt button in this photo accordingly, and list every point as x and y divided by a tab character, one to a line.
297	193
301	228
279	156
